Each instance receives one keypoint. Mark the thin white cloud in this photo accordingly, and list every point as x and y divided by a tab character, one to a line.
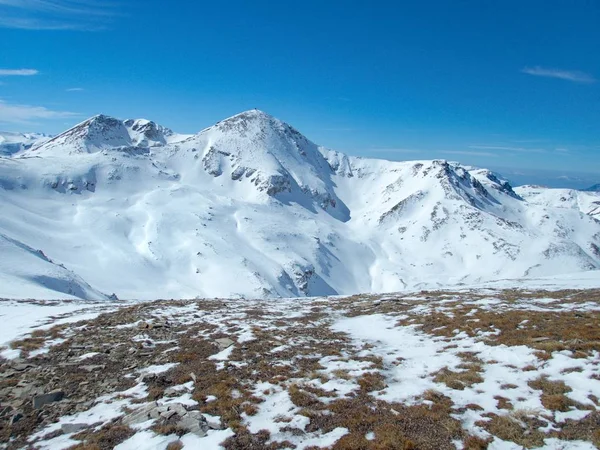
38	24
529	141
75	89
83	15
26	114
57	6
17	72
569	75
508	148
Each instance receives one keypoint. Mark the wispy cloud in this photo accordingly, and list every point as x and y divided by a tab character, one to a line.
86	15
508	148
17	72
569	75
75	89
27	114
529	141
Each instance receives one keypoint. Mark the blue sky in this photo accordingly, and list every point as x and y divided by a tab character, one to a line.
498	84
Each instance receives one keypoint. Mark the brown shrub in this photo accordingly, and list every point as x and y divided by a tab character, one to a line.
175	445
372	381
476	443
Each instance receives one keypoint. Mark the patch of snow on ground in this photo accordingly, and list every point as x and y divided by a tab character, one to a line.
423	355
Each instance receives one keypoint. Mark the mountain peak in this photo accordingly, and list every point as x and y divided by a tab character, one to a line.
252	114
99	121
103	132
91	135
247	120
101	118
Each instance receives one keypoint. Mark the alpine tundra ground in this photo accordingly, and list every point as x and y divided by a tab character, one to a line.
474	369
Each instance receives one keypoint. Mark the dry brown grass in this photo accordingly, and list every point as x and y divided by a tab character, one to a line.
27	345
376	361
586	429
175	445
167	429
85	447
249	409
387	436
372	381
459	380
557	402
37	339
244	440
503	402
476	443
301	398
341	374
233	386
549	387
106	438
515	427
395	426
474	407
429	425
545	331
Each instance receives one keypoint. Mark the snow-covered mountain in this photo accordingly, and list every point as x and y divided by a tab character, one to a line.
587	201
251	207
11	143
107	133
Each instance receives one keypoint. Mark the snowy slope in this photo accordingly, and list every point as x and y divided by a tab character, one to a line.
11	143
26	272
586	201
250	207
431	222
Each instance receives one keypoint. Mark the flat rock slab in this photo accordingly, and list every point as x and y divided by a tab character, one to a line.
224	343
194	422
140	415
45	399
68	428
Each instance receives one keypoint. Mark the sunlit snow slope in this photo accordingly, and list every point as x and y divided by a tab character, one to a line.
250	207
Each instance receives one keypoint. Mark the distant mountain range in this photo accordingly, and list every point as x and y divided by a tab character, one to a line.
11	143
250	207
594	188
